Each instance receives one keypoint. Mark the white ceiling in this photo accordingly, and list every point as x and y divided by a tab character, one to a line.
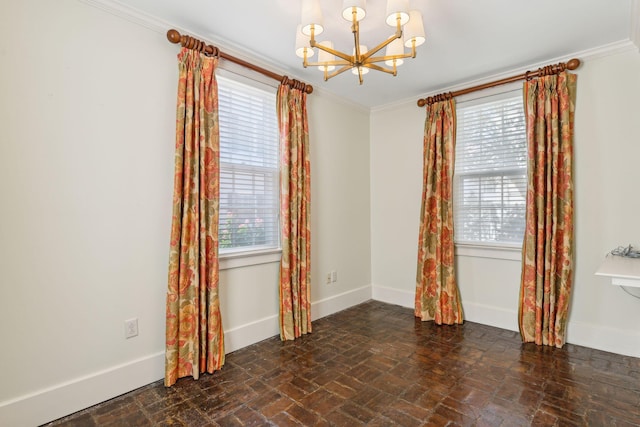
466	39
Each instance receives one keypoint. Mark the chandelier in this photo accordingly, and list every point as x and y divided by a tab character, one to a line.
409	33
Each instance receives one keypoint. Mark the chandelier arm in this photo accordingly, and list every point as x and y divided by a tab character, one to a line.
381	46
320	64
384	44
355	29
379	68
338	71
389	57
342	55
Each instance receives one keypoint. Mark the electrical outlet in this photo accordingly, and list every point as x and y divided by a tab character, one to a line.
328	278
334	276
131	328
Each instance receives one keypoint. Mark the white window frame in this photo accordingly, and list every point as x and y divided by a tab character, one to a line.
503	251
239	257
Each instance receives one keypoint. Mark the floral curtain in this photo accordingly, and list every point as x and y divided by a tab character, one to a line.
437	296
194	336
547	253
295	197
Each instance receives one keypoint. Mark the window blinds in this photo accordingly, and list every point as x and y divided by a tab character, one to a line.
490	180
249	181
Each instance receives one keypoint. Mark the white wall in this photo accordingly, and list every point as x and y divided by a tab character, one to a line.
606	204
396	191
86	175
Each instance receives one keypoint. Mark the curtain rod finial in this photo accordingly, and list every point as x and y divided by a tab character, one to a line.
573	64
173	36
422	102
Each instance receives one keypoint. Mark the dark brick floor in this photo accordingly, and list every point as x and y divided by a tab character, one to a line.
375	364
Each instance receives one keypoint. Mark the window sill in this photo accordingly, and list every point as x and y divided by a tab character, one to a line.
245	259
484	250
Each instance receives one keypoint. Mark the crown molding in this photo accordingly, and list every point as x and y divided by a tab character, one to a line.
130	14
161	26
635	22
614	48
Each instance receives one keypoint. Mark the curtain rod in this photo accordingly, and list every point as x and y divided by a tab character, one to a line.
192	43
544	71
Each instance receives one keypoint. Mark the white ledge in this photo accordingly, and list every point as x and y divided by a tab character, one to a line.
624	271
511	253
244	259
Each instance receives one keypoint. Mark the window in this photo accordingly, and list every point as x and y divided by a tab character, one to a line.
249	173
490	181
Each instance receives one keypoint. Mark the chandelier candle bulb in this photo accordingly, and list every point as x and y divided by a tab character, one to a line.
395	48
414	30
349	5
302	44
326	57
397	8
311	17
363	50
359	71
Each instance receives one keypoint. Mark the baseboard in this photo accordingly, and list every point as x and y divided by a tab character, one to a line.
48	404
491	316
613	340
63	399
336	303
487	315
251	333
393	296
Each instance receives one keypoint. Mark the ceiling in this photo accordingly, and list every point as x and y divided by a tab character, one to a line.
466	39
